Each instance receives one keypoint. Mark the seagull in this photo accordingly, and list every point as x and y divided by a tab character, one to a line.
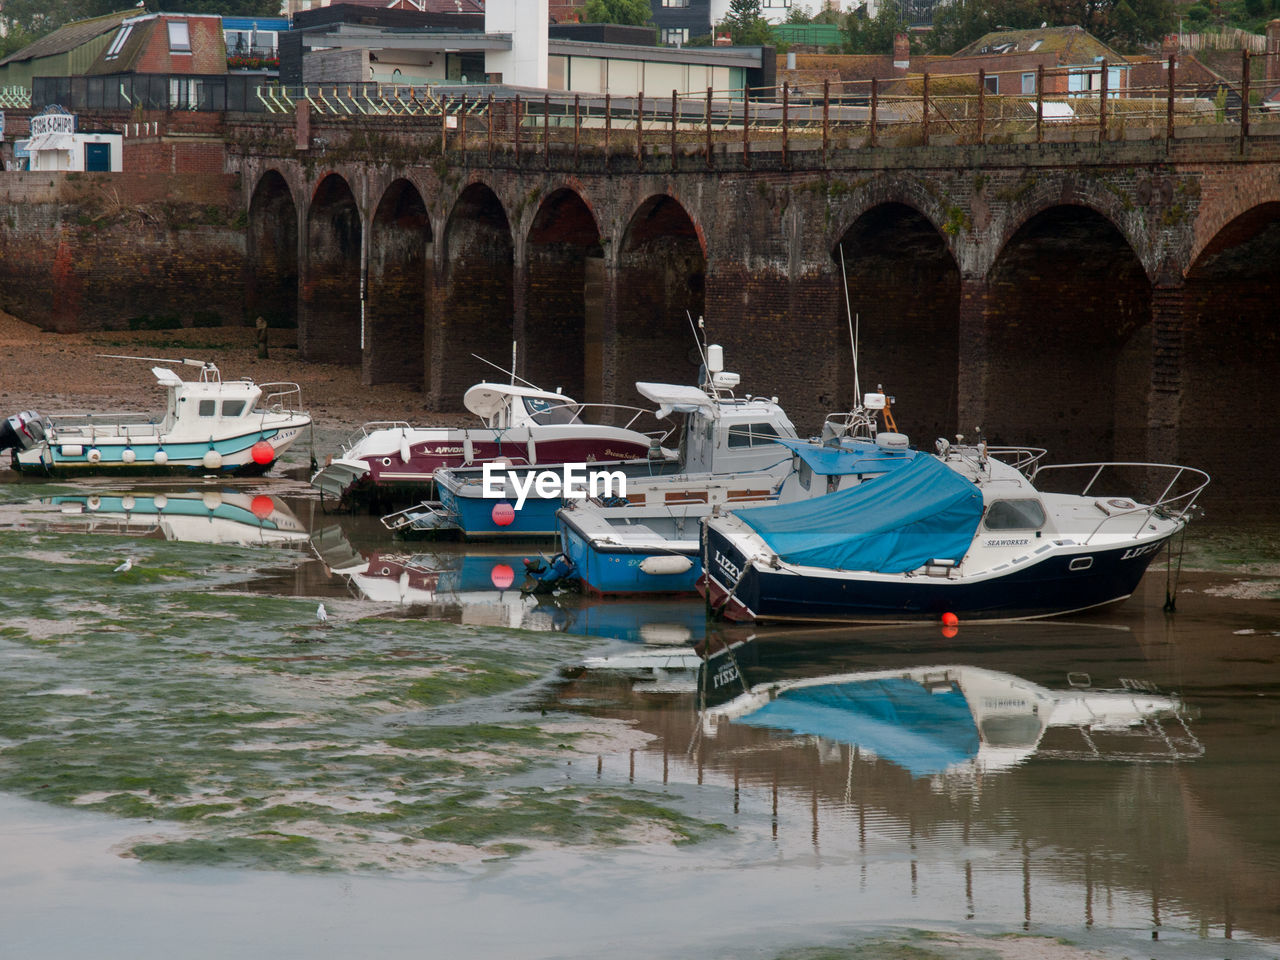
124	567
321	614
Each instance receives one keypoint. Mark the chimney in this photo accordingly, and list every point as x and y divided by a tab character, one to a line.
901	54
1169	46
1273	51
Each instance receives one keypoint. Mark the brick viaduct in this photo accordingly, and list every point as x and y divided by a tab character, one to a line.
1112	300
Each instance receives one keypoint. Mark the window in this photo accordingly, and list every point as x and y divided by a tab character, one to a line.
992	83
232	408
675	3
752	435
179	37
113	51
1015	515
542	410
208	408
1028	83
675	35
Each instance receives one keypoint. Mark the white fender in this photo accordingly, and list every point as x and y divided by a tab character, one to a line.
404	448
94	455
161	458
468	450
665	566
72	449
531	450
212	460
127	455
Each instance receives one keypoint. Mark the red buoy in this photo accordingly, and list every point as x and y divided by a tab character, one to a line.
950	620
950	631
502	575
262	452
262	505
504	514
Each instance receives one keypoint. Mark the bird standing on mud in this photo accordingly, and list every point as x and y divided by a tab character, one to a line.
124	567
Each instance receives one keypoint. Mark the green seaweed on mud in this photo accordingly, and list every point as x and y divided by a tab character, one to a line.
263	851
186	700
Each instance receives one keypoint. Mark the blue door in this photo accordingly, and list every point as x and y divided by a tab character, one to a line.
97	157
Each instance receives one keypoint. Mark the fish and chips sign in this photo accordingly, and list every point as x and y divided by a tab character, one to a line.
54	120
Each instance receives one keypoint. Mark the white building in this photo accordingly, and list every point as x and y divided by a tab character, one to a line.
56	144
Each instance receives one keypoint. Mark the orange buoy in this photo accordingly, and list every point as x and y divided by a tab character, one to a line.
504	514
262	452
950	620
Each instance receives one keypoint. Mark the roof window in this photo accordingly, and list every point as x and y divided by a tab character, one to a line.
179	36
122	35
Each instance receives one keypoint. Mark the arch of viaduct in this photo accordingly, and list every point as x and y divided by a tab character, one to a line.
1113	303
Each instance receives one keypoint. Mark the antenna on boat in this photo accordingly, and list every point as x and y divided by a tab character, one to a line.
702	352
511	372
189	363
513	362
853	336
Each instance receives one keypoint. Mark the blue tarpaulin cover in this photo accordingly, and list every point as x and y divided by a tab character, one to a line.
891	524
894	718
852	456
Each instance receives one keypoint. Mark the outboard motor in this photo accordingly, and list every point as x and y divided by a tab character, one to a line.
22	431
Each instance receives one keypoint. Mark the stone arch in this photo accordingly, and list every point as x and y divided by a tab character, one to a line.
400	244
1068	339
332	324
477	305
564	297
272	251
662	271
1230	349
903	288
1036	198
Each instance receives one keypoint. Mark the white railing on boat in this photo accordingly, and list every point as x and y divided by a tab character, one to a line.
373	426
275	397
1174	502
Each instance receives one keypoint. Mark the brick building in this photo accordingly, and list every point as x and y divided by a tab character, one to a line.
165	43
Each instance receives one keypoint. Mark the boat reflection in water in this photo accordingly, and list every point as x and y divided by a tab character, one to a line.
483	588
949	719
196	516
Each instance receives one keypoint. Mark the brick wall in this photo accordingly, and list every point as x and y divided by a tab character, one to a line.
111	251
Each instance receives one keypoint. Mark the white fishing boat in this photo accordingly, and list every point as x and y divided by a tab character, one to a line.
962	533
209	426
391	462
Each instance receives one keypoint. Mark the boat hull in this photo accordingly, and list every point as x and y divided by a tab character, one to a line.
121	457
746	591
392	479
609	570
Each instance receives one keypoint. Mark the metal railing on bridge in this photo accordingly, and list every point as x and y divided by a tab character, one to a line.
1062	104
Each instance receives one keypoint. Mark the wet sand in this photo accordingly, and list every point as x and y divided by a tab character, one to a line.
66	373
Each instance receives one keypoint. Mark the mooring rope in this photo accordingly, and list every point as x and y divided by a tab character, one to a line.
1171	575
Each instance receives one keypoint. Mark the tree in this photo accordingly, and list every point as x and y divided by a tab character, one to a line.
746	25
632	12
874	35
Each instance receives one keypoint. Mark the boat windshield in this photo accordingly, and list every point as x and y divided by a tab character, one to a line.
546	411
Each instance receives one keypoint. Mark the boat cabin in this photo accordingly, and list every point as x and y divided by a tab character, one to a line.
723	434
206	407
